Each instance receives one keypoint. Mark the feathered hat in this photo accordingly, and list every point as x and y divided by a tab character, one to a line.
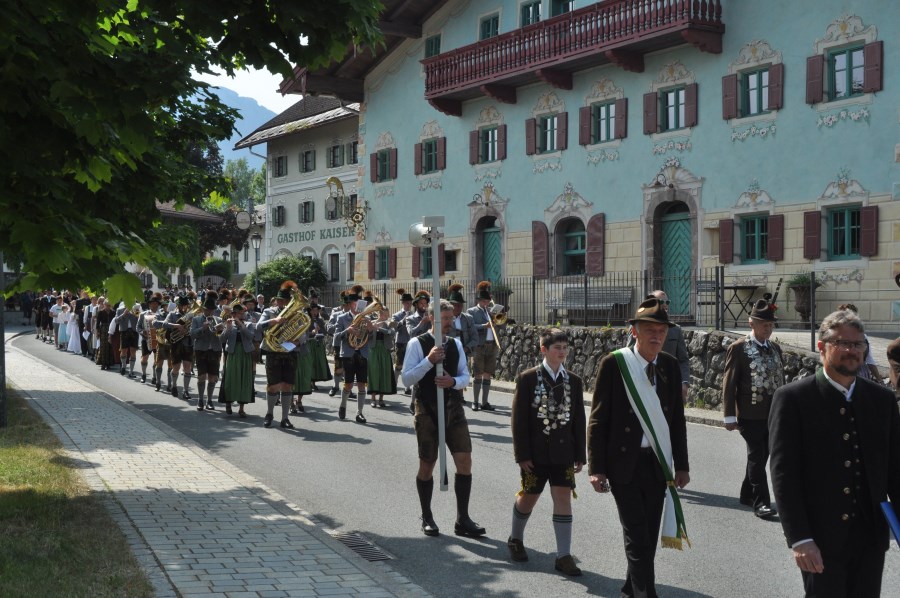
355	293
285	291
484	290
455	293
404	296
423	294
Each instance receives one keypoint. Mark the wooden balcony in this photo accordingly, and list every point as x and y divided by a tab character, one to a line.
615	31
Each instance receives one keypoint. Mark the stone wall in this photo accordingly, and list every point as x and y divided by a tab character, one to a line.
589	345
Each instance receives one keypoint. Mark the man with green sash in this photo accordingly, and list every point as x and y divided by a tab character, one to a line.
637	444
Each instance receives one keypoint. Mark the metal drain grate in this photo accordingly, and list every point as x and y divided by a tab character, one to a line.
360	546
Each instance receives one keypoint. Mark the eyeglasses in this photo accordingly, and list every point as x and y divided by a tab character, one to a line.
665	301
849	345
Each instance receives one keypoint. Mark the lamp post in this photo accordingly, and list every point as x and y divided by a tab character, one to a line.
256	239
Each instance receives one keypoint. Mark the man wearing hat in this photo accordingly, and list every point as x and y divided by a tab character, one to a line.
463	324
637	444
181	351
281	366
126	323
145	330
205	331
487	348
753	372
355	360
418	322
336	313
406	300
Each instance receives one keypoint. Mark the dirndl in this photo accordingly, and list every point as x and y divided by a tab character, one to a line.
237	383
303	379
382	380
320	369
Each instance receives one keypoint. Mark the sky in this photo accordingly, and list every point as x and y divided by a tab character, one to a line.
262	86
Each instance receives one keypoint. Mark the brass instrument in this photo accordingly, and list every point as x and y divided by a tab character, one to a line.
357	334
295	323
228	309
174	335
491	320
498	318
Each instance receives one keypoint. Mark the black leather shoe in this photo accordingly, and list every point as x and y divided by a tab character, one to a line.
143	378
187	396
158	385
268	422
200	406
765	512
412	407
332	392
293	410
342	413
174	392
429	527
300	408
286	423
468	528
567	565
517	550
360	418
488	407
210	406
476	407
407	391
228	408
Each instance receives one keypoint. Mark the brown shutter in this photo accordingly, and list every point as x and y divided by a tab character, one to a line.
621	118
584	125
501	142
690	105
393	152
562	131
812	232
373	167
726	241
372	264
868	233
730	97
540	243
776	86
775	251
442	153
392	262
441	259
416	262
473	147
595	264
815	76
651	119
417	166
873	57
530	130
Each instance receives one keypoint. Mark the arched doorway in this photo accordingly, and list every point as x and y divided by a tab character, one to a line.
490	244
675	264
571	242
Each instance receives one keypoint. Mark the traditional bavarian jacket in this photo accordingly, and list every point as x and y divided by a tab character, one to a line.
206	339
466	333
341	337
752	375
245	335
414	324
336	313
271	313
481	316
402	332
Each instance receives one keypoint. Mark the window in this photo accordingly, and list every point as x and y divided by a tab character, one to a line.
487	144
755	239
429	156
547	134
279	169
425	262
383	165
278	216
334	268
672	109
450	258
184	280
246	252
335	156
308	161
235	257
352	158
844	228
146	279
351	265
755	89
531	12
490	26
432	46
559	7
307	212
574	241
381	262
603	122
846	69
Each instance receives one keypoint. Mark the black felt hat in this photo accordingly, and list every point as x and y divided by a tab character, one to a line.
210	303
763	311
455	293
652	310
404	296
182	300
484	290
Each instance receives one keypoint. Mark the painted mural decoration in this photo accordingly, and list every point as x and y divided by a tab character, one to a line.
754	197
673	145
548	103
672	73
603	90
754	53
384	188
844	187
846	114
761	131
488	117
431	180
843	29
568	204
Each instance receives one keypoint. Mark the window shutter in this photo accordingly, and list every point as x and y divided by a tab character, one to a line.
584	125
776	86
729	96
416	262
473	147
340	155
312	211
372	258
301	212
815	75
812	232
501	142
595	264
442	153
651	120
621	131
417	151
562	131
393	152
690	105
442	259
873	57
530	130
540	243
373	167
775	251
726	241
274	216
392	262
868	237
312	165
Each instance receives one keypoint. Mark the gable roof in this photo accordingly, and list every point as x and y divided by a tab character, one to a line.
311	111
187	212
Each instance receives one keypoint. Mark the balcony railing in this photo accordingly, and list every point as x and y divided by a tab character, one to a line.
599	30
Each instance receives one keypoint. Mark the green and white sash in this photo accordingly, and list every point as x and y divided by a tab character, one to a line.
645	403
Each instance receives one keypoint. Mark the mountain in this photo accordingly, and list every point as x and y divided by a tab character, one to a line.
252	117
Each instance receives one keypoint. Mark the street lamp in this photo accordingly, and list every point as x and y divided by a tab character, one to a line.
256	239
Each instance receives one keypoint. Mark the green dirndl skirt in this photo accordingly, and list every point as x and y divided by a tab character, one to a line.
320	369
381	371
303	379
237	382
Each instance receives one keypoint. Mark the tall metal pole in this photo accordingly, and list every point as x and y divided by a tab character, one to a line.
434	223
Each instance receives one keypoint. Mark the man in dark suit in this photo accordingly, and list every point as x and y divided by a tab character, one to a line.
754	370
621	454
835	444
674	345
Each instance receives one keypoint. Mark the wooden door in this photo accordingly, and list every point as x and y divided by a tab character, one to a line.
676	261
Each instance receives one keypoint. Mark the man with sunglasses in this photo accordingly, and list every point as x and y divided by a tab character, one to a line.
835	440
674	345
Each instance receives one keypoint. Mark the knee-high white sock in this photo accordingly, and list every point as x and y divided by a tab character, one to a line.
519	520
285	405
562	527
201	387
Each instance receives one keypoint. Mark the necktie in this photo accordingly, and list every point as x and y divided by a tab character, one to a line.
651	373
764	349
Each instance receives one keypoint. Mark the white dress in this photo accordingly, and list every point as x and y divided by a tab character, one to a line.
74	335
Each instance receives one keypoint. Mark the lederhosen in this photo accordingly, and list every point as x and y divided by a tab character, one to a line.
425	393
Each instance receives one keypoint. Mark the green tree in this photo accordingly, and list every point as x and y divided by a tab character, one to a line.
305	271
258	185
217	267
100	116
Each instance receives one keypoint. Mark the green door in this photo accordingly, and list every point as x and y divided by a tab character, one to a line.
676	261
492	258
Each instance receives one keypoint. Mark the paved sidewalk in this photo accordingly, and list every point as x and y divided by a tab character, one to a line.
197	525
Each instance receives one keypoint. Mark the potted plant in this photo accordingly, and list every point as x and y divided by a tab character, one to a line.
801	284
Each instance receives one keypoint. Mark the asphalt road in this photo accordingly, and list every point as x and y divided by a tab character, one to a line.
354	477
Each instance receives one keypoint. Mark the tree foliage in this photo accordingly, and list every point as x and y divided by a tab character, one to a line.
100	117
217	267
305	271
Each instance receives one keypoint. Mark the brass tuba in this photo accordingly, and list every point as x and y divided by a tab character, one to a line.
295	323
173	335
358	335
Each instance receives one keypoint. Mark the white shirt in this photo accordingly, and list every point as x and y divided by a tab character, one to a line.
490	330
560	372
732	419
416	365
847	393
645	442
